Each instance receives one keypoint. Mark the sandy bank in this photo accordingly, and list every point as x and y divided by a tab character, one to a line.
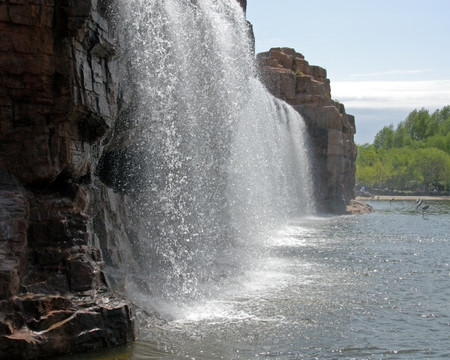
406	198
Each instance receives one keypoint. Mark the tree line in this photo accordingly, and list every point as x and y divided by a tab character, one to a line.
414	156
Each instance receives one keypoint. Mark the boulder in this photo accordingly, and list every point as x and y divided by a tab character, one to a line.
358	207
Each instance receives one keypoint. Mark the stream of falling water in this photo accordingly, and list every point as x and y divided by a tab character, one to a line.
226	162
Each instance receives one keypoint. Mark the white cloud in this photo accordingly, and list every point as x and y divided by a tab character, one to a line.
392	94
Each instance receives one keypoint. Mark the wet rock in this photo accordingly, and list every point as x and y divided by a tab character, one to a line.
52	325
14	211
58	103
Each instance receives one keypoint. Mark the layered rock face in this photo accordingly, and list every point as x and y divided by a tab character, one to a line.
58	101
289	77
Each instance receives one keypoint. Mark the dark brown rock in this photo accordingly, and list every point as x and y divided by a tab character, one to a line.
50	325
58	102
14	212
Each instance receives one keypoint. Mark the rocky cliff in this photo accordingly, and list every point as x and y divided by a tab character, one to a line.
291	78
65	198
58	102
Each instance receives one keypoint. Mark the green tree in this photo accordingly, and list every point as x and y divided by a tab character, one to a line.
384	139
367	155
434	166
416	152
401	164
442	117
438	142
417	123
365	175
367	163
382	174
402	136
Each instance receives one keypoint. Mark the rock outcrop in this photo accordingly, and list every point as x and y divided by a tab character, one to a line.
58	101
289	76
359	207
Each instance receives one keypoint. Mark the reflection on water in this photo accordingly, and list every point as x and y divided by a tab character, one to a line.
365	287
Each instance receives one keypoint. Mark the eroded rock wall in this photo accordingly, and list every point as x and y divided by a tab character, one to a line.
58	102
291	78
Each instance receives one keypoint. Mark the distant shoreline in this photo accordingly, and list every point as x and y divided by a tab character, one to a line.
403	198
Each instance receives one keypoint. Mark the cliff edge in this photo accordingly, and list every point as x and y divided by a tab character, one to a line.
288	76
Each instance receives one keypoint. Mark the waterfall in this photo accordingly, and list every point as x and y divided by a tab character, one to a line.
225	162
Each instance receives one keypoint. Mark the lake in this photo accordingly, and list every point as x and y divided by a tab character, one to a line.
373	286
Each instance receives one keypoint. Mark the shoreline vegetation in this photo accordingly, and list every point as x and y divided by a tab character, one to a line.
412	158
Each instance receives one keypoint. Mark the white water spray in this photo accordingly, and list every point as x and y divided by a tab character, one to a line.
226	162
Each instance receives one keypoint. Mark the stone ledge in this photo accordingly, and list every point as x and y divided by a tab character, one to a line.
36	326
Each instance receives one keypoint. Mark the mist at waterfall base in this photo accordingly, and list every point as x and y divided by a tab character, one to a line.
225	163
373	286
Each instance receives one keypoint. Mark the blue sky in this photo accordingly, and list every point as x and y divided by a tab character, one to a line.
384	58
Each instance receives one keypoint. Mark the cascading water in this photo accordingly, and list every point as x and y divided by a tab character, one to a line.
225	162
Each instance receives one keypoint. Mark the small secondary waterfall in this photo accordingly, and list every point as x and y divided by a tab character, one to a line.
225	162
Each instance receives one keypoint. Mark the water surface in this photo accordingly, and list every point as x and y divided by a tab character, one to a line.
352	287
